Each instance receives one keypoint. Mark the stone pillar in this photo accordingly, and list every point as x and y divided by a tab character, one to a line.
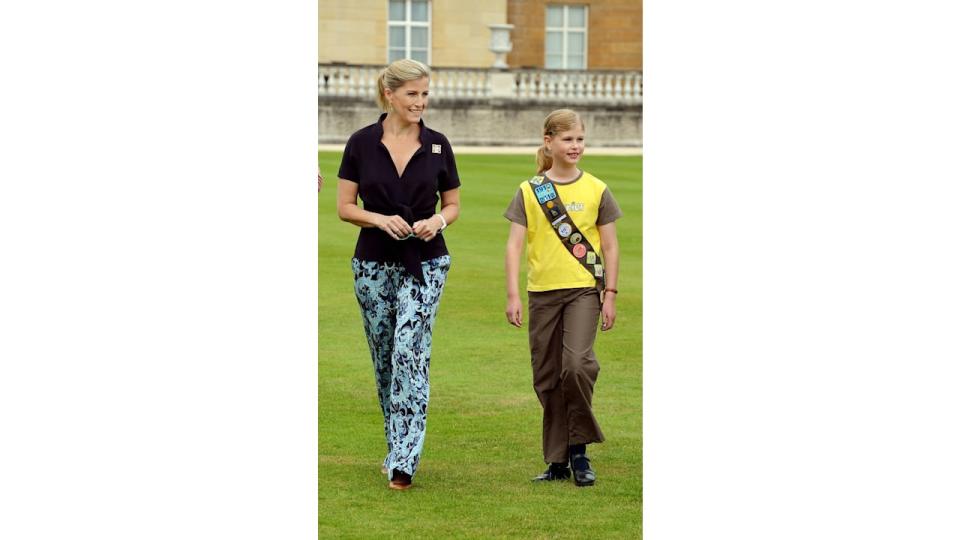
502	84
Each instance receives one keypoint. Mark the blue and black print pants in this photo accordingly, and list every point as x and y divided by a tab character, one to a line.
398	313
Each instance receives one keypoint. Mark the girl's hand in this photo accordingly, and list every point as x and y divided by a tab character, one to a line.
515	312
608	312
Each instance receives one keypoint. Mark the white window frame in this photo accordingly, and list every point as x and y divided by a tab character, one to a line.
408	24
564	30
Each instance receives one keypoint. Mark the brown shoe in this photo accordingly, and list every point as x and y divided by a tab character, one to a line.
401	480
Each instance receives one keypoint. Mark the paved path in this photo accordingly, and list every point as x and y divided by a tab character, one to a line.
528	150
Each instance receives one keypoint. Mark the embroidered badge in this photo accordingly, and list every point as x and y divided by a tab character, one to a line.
536	180
579	251
597	270
575	238
436	148
564	229
591	257
544	193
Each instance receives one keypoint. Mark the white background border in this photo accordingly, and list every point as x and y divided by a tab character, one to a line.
158	363
159	293
801	313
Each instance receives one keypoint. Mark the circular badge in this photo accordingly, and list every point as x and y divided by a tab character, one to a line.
549	204
579	251
575	238
564	229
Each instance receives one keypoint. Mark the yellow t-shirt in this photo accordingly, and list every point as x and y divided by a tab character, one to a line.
549	264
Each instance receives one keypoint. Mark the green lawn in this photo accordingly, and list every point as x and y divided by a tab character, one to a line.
483	429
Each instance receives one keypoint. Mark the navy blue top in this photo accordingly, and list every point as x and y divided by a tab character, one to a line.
413	196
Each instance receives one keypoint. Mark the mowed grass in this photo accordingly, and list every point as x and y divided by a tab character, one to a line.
483	429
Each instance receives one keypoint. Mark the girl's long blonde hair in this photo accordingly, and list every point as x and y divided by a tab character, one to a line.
395	75
556	122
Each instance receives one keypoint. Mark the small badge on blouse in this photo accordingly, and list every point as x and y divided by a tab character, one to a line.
436	149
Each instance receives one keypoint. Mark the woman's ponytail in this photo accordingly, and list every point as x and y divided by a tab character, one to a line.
382	99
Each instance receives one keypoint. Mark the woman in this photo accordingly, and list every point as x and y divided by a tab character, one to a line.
400	169
566	218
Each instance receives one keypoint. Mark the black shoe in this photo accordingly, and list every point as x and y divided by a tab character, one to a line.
556	471
583	474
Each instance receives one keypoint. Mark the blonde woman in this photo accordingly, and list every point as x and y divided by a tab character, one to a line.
401	170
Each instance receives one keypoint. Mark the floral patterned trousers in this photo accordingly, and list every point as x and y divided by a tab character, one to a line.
398	313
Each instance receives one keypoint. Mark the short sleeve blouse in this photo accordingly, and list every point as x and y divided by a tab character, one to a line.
413	196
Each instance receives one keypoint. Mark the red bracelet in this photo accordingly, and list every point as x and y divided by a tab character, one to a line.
614	291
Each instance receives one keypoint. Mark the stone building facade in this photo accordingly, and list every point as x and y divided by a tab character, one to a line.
614	32
472	102
355	32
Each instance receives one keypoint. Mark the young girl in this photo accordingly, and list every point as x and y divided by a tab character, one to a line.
566	218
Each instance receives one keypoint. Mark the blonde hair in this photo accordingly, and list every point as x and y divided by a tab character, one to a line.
395	75
556	122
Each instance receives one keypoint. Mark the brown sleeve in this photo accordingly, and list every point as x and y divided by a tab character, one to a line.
516	212
609	210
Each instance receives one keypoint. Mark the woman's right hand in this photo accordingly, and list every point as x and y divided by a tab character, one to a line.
395	226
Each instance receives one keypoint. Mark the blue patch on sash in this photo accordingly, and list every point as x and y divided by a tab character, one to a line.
544	193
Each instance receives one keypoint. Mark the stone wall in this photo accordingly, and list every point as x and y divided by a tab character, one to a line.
488	122
352	31
460	34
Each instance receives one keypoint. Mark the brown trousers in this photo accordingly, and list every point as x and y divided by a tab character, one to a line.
563	327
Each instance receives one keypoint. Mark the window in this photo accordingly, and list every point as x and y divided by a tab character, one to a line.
408	30
566	38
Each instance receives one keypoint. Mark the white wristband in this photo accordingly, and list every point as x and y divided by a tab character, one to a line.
444	226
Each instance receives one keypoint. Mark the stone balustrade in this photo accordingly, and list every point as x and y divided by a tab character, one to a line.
538	85
579	86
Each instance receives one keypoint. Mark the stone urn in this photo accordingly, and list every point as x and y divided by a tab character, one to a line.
500	43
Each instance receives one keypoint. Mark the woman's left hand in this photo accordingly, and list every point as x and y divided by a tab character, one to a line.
427	229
